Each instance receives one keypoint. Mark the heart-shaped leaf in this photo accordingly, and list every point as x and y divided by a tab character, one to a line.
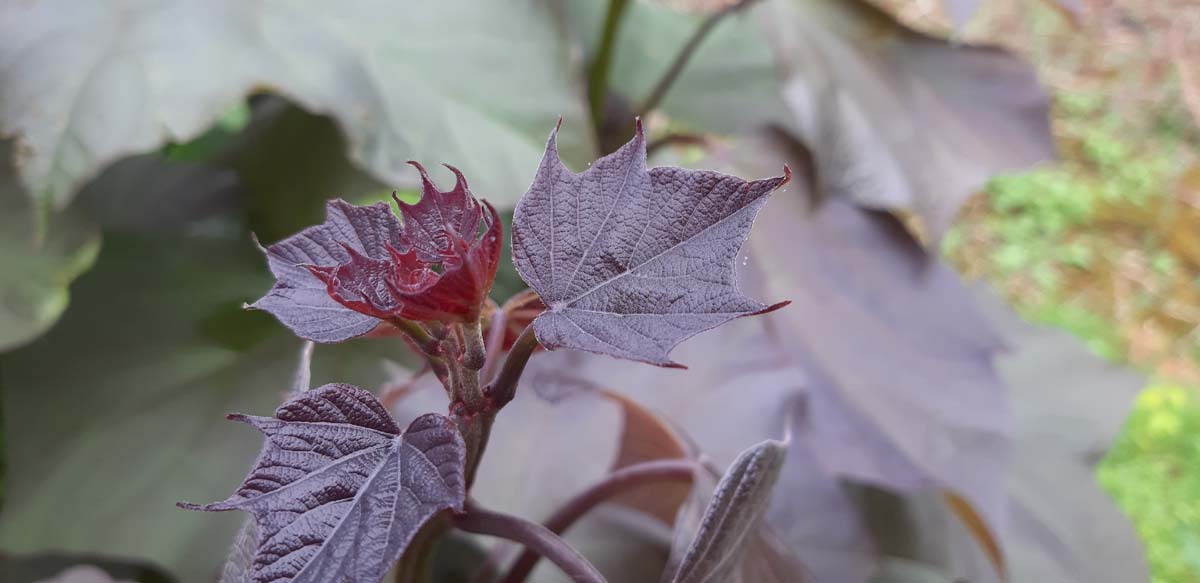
338	492
631	261
730	520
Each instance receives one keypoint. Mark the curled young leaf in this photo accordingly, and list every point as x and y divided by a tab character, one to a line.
631	261
338	491
342	278
731	518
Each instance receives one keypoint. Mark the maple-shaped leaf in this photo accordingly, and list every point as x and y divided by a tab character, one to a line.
338	491
340	279
631	261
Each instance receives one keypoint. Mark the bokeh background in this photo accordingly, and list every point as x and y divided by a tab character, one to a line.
1046	152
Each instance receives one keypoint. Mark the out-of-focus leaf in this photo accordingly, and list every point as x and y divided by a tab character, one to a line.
429	81
719	539
1068	405
630	260
291	162
62	568
1060	526
37	260
83	574
894	570
645	437
903	391
729	84
150	192
886	336
899	120
729	400
118	412
338	491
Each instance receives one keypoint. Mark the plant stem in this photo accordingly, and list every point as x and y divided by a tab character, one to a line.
672	470
428	345
502	390
602	62
685	54
534	536
494	345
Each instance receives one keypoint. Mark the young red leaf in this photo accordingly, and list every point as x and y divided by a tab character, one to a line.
338	491
631	261
339	279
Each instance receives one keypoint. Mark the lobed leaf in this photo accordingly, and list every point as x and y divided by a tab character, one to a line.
338	492
630	261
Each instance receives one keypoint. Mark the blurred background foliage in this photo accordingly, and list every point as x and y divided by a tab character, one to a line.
1106	242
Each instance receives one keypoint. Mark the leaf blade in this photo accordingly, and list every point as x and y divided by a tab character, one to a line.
598	246
353	447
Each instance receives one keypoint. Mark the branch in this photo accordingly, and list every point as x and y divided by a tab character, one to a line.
598	74
534	536
685	54
673	470
502	390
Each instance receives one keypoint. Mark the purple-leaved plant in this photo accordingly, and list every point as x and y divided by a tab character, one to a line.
624	260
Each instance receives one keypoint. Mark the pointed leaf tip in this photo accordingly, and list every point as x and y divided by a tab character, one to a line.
599	248
374	480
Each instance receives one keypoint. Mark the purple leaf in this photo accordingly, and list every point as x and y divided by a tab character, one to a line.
299	299
344	277
896	119
338	492
631	261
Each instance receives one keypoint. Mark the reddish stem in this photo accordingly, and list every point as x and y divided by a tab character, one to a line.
672	470
534	536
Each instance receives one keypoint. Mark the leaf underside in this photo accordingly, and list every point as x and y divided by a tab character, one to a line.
631	261
338	491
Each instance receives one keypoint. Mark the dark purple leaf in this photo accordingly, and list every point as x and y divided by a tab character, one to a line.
342	278
900	120
298	298
338	492
631	261
731	399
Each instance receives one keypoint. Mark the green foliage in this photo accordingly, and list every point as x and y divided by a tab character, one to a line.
1051	237
1095	330
1152	471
